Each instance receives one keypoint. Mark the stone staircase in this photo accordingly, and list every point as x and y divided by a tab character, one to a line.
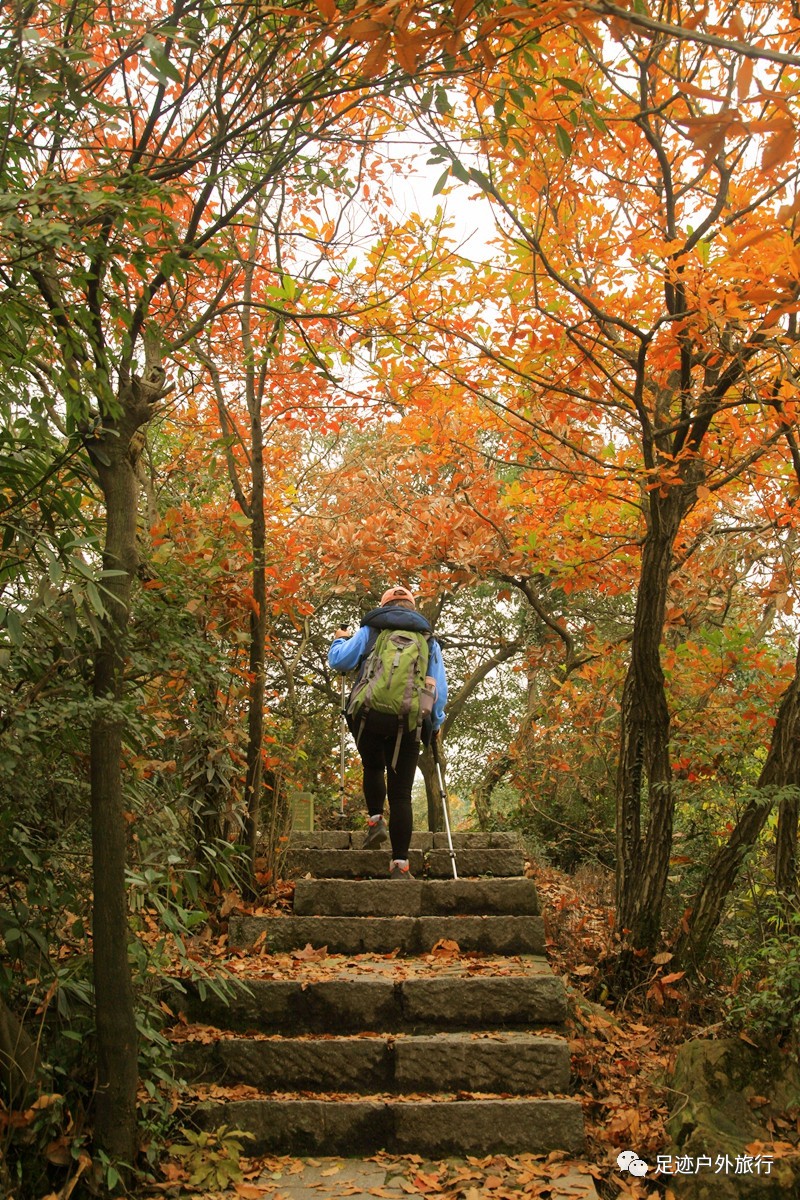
415	1016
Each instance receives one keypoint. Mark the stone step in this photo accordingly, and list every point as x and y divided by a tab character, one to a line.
416	897
323	1177
346	864
437	1127
500	934
351	1000
503	861
511	1062
353	839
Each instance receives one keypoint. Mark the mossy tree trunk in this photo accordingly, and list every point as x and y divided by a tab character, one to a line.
117	1053
786	846
644	770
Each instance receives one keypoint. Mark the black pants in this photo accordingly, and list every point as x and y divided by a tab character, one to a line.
380	779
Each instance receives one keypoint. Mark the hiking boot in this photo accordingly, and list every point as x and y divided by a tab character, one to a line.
396	871
377	834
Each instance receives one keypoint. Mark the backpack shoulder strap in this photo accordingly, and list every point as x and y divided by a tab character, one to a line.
370	646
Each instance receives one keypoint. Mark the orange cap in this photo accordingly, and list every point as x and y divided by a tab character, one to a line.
396	593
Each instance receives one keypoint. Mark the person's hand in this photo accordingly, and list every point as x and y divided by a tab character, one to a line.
435	735
342	632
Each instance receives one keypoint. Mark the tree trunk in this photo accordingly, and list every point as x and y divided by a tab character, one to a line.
786	847
258	632
482	792
115	1125
117	1065
781	769
644	759
428	771
206	794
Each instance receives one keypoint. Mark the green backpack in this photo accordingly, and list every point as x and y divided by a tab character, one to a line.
387	693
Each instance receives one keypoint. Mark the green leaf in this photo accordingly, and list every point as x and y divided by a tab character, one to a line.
159	64
95	599
443	104
459	171
564	141
173	266
162	69
14	626
441	181
483	181
570	84
598	122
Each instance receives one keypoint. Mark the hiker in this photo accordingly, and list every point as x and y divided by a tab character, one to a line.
388	726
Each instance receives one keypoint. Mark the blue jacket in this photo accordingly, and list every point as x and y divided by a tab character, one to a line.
346	654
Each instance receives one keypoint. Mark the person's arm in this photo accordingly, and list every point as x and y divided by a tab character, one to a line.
436	669
346	652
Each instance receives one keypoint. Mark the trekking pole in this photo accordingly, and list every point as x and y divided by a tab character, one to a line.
342	723
443	795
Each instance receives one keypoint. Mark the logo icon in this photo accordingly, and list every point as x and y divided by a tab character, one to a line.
628	1160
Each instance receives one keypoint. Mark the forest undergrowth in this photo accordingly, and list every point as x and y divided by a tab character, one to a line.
623	1051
